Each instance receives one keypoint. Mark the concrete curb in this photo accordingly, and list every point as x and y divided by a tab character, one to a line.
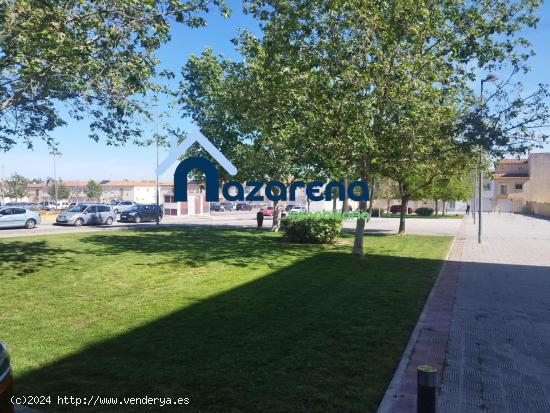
428	341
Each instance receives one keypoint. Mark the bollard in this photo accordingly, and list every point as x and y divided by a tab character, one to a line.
260	219
426	389
6	381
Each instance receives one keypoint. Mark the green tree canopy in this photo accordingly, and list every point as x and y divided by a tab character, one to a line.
95	56
62	191
16	186
93	190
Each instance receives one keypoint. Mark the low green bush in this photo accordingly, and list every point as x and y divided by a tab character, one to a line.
424	212
311	229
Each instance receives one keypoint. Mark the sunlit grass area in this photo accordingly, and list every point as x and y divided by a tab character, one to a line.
236	320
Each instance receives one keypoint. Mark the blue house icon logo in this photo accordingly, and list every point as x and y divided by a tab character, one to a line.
195	162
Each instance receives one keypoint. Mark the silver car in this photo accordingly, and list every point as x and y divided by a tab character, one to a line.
87	214
14	217
123	206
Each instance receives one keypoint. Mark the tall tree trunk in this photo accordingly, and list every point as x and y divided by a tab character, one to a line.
359	232
436	207
388	210
345	202
403	190
371	197
334	204
443	208
275	225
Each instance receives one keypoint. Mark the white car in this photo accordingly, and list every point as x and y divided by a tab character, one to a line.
123	206
297	208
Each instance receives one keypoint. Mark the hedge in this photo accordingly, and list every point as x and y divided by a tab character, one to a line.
425	212
311	230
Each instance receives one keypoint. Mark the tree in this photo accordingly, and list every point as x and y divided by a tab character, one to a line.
93	190
363	71
95	56
387	189
62	191
16	186
346	89
454	187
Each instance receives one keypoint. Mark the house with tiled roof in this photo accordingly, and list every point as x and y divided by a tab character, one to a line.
522	185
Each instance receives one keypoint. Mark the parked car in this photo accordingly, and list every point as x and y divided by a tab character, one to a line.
140	213
267	211
228	206
87	214
243	207
17	217
298	208
289	207
394	209
123	206
216	207
47	206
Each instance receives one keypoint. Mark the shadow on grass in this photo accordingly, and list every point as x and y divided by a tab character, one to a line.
323	334
25	258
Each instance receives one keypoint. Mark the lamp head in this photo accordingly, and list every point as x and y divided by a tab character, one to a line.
491	77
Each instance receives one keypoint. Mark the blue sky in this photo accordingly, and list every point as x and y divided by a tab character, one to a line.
84	159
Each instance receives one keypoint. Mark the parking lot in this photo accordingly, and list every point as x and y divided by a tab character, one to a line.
245	219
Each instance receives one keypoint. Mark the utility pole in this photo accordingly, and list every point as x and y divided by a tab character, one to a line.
3	184
474	209
489	78
157	186
55	179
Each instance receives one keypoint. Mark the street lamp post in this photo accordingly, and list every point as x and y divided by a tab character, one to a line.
489	78
156	173
55	180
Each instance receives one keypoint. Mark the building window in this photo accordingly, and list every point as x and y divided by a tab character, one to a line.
487	186
519	187
504	190
168	198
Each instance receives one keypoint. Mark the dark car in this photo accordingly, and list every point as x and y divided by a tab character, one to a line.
394	209
141	213
243	207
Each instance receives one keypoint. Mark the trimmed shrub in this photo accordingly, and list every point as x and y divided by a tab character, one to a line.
311	229
424	212
377	212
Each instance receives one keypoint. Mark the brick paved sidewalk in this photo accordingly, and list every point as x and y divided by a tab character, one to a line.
497	357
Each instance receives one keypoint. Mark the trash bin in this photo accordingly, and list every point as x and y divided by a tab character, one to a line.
6	381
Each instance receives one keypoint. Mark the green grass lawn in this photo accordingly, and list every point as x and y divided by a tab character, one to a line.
236	320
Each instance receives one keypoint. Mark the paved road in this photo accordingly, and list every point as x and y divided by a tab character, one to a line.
248	220
498	354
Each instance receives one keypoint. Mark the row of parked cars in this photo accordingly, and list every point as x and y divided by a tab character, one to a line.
78	214
265	209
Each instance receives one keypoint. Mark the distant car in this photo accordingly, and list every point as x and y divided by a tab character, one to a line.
394	209
141	213
87	214
228	206
267	211
289	207
48	206
17	217
123	206
298	208
243	207
215	207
